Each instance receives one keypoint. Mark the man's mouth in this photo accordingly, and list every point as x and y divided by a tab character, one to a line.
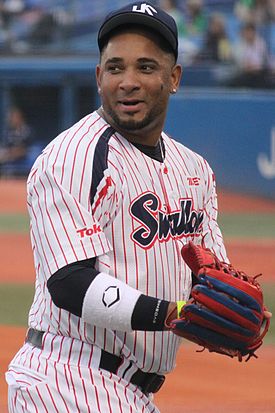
130	104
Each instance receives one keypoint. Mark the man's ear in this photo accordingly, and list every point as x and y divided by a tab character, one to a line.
98	80
175	78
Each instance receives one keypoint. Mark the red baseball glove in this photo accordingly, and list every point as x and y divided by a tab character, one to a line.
226	313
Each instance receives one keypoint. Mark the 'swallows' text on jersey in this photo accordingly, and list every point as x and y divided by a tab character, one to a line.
157	223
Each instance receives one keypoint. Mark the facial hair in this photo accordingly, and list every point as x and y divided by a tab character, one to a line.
131	124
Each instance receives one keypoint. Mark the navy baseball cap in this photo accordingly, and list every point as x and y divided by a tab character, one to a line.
144	14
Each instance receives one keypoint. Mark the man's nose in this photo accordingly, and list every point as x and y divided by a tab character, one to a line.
130	81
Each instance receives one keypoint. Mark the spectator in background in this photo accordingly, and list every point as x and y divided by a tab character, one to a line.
251	59
216	44
195	24
17	139
259	12
9	11
53	24
170	6
196	18
187	48
22	18
43	26
43	30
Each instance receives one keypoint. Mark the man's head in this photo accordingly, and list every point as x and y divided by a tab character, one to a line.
16	117
136	75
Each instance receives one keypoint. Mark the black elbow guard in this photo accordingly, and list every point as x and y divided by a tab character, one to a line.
68	285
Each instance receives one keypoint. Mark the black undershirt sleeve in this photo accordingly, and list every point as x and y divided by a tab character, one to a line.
69	285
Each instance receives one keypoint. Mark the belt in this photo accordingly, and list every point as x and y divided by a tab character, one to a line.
147	382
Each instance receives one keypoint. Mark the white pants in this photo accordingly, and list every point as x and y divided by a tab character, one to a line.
69	381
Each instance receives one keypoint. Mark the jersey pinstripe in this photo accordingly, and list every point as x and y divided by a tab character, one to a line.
65	377
92	193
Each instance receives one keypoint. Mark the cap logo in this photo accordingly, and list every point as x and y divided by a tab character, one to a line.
145	8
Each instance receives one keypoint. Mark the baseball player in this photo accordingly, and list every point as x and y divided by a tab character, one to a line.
111	202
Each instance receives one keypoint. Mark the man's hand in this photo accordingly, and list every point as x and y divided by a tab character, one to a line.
226	313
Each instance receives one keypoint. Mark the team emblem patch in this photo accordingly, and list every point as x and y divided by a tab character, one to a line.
111	296
145	8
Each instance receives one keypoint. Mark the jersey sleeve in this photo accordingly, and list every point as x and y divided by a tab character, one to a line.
65	225
213	238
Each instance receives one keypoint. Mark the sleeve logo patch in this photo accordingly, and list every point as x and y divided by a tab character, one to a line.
111	296
193	181
88	232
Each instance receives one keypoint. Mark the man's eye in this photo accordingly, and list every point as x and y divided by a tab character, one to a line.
147	68
114	69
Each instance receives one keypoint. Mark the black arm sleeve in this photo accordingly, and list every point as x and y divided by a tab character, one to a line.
69	284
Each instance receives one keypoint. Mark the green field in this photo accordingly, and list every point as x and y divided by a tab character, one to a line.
248	225
13	223
15	301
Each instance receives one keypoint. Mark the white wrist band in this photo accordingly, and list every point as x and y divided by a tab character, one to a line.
109	303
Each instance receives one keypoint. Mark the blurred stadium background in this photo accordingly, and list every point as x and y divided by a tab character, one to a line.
48	53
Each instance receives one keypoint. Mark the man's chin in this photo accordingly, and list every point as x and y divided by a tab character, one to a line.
128	122
131	123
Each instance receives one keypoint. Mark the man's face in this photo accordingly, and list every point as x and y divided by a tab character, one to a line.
135	79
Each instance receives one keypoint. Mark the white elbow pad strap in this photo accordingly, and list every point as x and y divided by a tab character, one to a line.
109	303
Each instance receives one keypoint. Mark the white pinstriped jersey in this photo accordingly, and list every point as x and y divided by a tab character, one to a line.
93	194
